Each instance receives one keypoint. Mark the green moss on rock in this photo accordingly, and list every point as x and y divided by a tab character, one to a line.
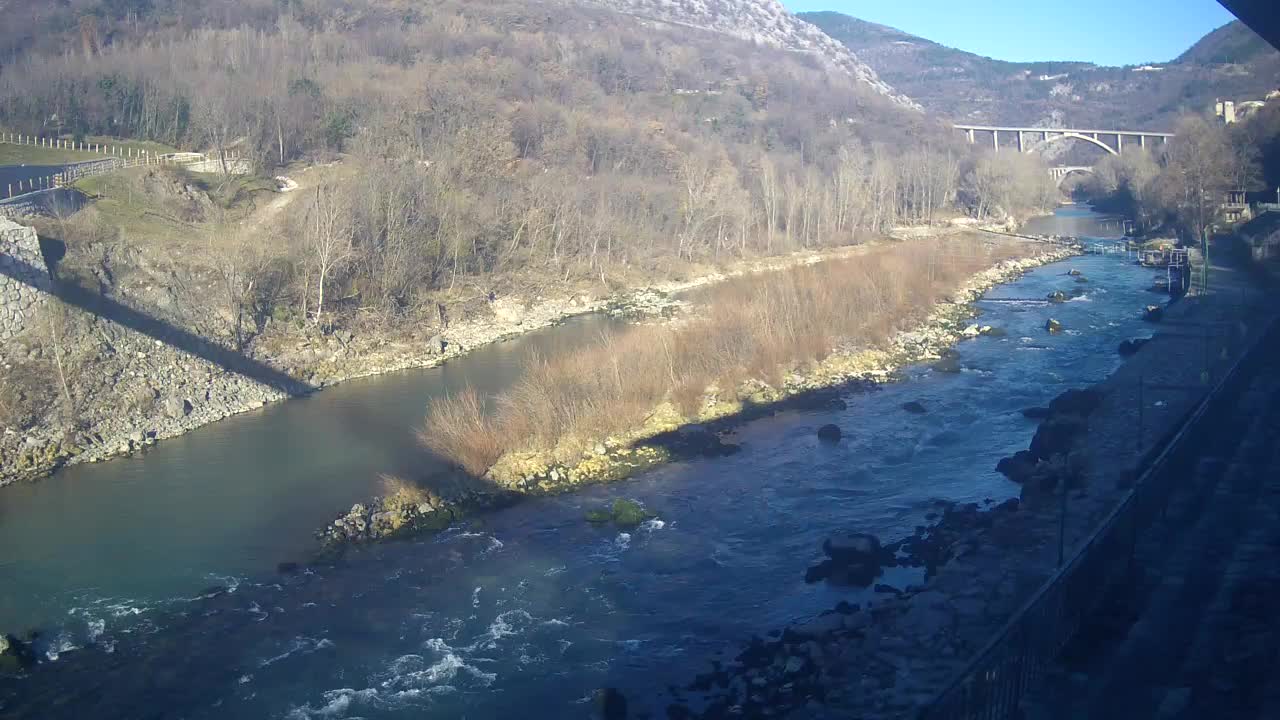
629	513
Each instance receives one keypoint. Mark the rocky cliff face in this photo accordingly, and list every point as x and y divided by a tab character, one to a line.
24	279
762	21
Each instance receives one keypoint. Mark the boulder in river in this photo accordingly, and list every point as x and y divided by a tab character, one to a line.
829	433
851	547
817	628
992	331
1076	402
610	704
1074	272
1055	436
1153	313
628	513
1128	348
1057	296
947	364
15	656
855	559
1053	326
914	408
1018	467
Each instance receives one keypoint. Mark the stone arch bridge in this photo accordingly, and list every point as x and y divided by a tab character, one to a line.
1030	139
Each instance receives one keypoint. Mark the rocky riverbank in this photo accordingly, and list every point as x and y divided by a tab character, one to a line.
667	434
126	390
893	654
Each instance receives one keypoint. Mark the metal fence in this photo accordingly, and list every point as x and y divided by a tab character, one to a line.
998	677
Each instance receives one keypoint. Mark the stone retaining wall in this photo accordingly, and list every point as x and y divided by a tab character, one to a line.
24	278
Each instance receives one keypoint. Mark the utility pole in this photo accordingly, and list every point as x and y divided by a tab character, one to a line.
1204	260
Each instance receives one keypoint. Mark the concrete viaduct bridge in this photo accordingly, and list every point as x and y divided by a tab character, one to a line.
1030	139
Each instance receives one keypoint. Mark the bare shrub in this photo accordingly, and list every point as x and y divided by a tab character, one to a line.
458	429
757	327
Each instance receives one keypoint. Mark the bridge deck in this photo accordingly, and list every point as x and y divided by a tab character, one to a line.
1133	133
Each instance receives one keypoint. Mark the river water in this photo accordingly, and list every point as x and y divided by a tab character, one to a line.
526	611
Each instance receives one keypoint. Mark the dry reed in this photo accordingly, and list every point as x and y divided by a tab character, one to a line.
755	327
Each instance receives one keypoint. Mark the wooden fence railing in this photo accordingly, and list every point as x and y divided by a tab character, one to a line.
119	157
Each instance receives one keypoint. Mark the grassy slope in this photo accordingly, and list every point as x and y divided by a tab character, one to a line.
123	200
28	155
11	154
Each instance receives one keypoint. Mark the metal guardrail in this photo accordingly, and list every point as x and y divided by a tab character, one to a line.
998	677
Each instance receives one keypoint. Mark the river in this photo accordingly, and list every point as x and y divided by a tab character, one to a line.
526	611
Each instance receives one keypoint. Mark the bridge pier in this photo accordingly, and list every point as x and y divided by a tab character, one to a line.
1119	144
1020	147
995	140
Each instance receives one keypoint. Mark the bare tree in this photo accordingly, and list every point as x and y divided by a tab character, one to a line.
329	238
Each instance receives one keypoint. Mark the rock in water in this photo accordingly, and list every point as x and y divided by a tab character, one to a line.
1053	326
1057	296
1055	436
1017	467
948	364
914	408
855	559
829	433
628	513
610	704
1153	313
15	655
855	546
1073	271
1128	348
1076	402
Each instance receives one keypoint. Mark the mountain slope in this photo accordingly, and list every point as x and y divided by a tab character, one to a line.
762	21
1231	62
1233	43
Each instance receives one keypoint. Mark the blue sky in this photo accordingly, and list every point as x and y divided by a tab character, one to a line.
1107	32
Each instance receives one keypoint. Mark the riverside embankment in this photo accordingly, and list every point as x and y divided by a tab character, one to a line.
663	431
529	609
135	388
893	655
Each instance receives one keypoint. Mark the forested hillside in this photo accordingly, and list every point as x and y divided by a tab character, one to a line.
498	136
1231	63
459	164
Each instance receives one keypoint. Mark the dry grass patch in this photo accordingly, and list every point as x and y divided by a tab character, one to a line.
760	327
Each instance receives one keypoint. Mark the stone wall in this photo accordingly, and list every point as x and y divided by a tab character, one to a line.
24	278
52	202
